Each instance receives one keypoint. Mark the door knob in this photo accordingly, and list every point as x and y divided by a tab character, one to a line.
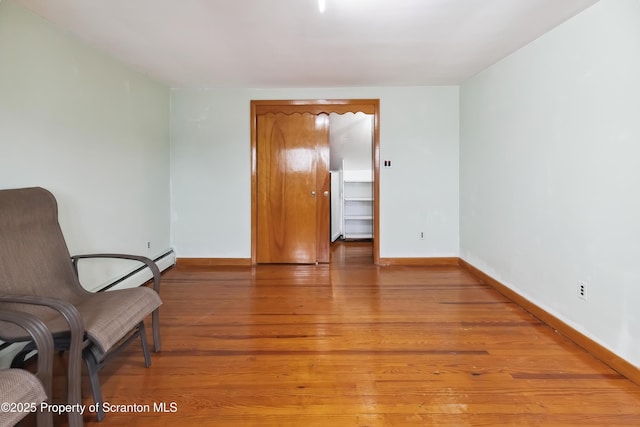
326	194
313	194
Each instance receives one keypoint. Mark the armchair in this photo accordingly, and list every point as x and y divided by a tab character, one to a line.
35	264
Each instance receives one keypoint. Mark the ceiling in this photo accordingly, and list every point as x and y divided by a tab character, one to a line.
289	43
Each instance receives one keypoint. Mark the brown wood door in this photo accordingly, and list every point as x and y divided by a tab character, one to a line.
323	182
290	188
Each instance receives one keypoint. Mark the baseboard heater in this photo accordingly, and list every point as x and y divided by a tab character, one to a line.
141	274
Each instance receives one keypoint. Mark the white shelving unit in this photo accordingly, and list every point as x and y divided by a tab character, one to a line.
336	205
357	208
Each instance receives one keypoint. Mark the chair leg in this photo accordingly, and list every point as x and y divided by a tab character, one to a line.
145	344
155	325
44	419
93	368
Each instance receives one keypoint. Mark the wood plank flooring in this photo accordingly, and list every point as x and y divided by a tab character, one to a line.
353	344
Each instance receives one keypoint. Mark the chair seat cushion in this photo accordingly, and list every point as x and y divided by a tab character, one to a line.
133	305
19	386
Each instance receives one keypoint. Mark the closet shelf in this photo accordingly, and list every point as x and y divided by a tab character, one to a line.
359	236
358	217
358	199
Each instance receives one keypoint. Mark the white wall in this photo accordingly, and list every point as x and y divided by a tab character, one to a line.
550	149
90	130
211	176
351	141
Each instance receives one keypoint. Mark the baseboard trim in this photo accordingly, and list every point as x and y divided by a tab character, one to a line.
614	361
420	261
212	262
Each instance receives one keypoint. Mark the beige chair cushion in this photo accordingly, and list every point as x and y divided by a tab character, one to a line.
19	386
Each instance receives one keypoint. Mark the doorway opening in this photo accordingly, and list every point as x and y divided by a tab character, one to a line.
275	124
351	170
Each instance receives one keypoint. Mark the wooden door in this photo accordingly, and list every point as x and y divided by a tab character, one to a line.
323	182
290	188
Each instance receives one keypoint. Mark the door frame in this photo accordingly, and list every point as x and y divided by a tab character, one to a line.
317	106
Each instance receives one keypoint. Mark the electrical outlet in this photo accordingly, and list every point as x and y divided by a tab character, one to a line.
148	246
422	235
582	290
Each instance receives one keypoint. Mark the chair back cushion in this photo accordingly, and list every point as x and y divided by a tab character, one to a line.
34	258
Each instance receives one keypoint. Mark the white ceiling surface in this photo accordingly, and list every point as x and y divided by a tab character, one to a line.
289	43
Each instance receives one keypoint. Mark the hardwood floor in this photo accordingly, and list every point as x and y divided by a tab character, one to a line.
352	344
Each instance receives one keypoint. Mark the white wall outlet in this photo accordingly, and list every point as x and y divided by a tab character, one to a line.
582	290
422	235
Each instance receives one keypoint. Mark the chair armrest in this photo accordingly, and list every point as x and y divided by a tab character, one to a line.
147	261
66	309
76	344
43	342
